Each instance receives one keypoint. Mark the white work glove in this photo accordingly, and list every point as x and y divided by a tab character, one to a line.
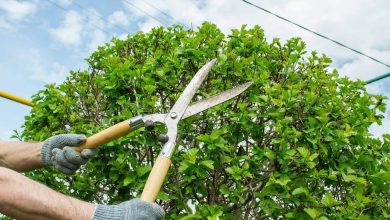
134	209
56	151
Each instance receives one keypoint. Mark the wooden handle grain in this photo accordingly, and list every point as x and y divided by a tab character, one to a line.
105	136
156	179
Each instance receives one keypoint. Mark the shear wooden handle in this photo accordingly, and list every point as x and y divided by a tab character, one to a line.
105	136
156	179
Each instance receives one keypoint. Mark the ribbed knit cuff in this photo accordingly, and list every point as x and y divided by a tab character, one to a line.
45	153
111	212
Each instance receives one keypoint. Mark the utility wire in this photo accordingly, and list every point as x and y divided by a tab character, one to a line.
166	14
82	18
102	18
140	9
316	33
378	78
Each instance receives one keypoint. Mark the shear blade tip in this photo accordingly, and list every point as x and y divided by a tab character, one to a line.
212	62
248	83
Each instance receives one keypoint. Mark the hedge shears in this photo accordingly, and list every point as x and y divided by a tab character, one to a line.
179	111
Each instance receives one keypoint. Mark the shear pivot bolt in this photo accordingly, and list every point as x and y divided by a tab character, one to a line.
163	138
173	115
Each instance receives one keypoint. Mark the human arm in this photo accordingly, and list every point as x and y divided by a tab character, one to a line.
23	156
20	156
22	198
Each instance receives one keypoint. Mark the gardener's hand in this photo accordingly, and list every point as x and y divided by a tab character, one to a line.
134	209
56	151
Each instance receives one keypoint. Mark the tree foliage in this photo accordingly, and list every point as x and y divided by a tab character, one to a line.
294	145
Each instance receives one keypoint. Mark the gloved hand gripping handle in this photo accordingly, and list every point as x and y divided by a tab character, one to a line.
161	165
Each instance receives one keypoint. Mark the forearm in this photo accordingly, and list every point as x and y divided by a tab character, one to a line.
20	156
22	198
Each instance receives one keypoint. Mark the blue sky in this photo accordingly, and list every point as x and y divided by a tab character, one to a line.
41	40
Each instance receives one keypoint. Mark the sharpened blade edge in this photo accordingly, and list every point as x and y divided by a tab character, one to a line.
185	98
215	100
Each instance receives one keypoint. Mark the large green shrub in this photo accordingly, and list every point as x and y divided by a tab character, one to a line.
294	145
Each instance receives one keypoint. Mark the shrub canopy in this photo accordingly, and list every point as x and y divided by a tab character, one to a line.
294	145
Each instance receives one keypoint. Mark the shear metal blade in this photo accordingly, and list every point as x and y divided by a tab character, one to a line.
185	98
215	100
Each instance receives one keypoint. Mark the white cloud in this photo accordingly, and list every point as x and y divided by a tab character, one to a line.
53	73
94	33
12	12
147	25
42	70
118	18
17	10
328	17
379	130
70	31
81	30
145	16
135	8
123	36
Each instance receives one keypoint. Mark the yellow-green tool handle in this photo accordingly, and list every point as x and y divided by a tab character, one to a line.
15	98
156	179
105	136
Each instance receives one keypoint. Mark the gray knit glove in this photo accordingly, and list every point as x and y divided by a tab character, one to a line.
56	151
134	209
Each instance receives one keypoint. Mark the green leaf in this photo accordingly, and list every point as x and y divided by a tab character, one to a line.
283	180
149	88
142	170
222	58
191	155
203	138
224	190
269	154
163	196
208	164
328	200
355	179
128	179
184	165
236	172
313	156
313	213
300	190
305	153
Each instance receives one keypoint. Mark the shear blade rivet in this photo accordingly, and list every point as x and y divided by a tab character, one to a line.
173	115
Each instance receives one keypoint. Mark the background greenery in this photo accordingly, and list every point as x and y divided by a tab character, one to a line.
294	145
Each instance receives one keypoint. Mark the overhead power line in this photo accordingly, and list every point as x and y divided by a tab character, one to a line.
102	18
378	78
82	18
166	14
143	11
316	33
